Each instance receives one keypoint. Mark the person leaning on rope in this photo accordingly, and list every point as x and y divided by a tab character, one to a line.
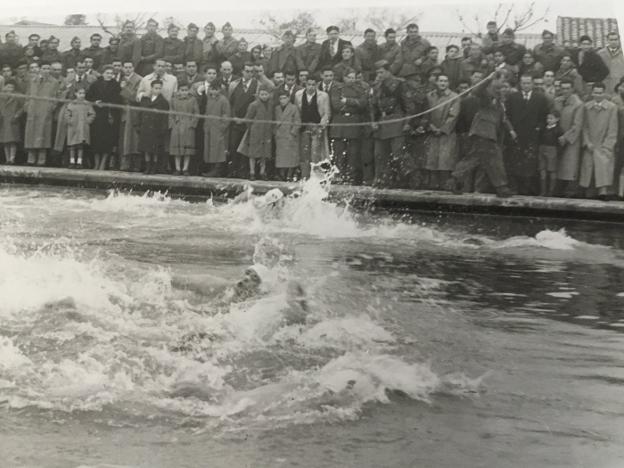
485	151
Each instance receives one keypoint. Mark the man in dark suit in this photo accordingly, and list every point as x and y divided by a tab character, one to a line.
331	49
327	80
526	111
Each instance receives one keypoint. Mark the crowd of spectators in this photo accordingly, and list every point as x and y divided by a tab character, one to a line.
487	114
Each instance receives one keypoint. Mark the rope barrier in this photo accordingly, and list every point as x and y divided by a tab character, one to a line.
127	107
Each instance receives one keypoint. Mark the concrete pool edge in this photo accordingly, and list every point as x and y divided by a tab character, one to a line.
395	199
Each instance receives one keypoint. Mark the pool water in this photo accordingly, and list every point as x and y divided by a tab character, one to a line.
419	341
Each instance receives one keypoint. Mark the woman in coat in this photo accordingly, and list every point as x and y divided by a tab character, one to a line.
286	136
215	129
105	127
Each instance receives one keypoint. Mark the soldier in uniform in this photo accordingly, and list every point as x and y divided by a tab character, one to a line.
367	143
388	104
413	166
173	47
348	104
150	48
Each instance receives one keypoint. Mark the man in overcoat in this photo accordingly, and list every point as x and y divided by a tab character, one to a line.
600	131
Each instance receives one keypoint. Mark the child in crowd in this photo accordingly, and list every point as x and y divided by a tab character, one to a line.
257	142
215	130
79	115
153	126
548	153
286	136
11	109
182	142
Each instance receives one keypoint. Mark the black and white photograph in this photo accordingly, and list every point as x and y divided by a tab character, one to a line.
348	234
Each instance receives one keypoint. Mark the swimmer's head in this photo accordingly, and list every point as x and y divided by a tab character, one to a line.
273	196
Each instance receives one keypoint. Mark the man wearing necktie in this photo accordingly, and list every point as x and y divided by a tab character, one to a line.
526	111
600	131
613	58
331	49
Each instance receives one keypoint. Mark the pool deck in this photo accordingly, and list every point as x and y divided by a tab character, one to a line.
395	199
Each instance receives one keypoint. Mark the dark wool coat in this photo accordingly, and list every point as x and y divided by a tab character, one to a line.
153	126
105	127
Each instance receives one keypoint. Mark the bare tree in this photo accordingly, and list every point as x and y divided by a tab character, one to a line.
303	21
139	19
506	15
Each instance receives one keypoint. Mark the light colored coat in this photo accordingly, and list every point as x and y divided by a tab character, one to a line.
324	108
441	150
38	133
256	143
215	130
182	140
79	116
11	108
572	111
600	129
287	136
615	63
129	136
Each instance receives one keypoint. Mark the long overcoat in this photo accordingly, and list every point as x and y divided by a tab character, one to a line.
215	130
441	150
572	112
153	126
40	114
256	143
600	129
286	132
182	141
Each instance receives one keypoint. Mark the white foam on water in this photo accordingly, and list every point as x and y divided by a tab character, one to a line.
547	239
563	294
88	333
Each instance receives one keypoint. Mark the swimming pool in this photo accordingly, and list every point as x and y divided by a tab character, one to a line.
451	341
